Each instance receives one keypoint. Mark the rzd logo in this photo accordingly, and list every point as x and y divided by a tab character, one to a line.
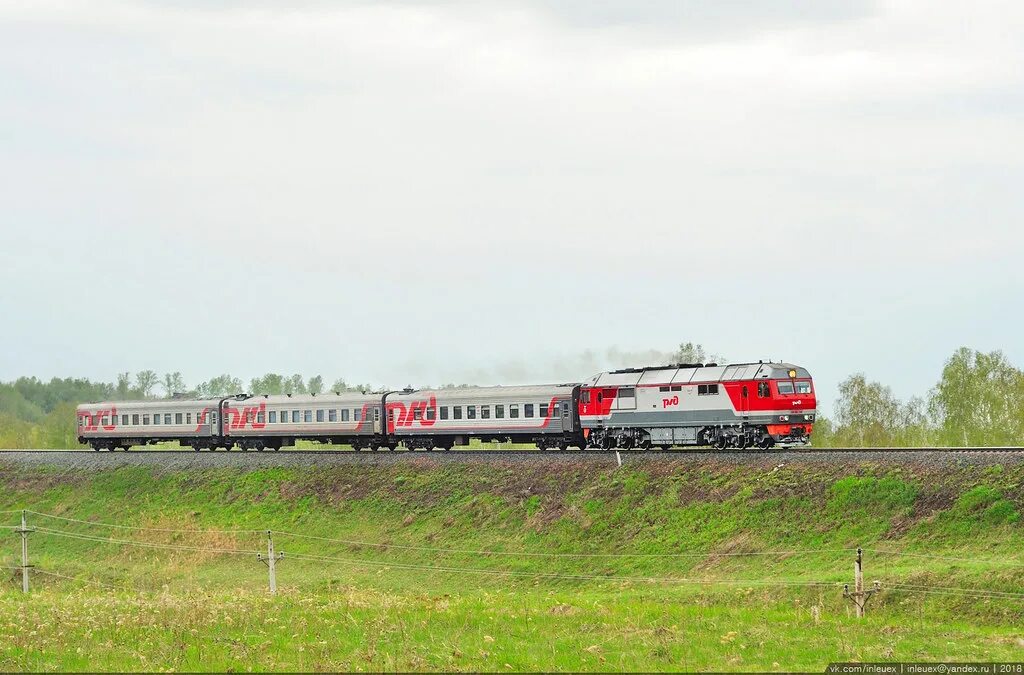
239	418
666	402
401	416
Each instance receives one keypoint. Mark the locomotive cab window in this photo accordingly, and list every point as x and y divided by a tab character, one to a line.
707	389
763	390
803	387
785	387
586	396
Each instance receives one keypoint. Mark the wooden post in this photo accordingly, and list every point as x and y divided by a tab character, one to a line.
24	530
859	595
271	561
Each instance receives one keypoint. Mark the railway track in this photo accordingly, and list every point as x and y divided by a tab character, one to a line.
484	452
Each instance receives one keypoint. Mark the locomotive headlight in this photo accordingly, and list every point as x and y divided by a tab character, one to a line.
809	418
783	418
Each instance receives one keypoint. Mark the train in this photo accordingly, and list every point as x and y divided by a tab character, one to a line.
744	405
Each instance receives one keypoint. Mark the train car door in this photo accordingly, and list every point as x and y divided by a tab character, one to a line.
376	419
745	402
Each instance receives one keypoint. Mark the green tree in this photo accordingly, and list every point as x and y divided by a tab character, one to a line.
315	385
867	414
271	383
979	400
145	380
690	352
173	383
124	386
295	385
222	385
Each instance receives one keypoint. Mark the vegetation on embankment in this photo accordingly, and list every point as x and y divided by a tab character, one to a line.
372	607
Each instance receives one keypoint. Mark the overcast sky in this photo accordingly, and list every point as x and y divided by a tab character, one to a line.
425	192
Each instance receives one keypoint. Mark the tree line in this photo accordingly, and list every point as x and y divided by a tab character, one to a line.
978	400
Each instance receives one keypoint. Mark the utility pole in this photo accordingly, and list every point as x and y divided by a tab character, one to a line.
271	561
24	530
859	595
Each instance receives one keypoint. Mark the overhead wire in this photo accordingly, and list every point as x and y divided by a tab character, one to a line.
144	544
141	528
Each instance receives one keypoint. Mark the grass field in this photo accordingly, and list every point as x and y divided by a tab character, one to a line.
703	594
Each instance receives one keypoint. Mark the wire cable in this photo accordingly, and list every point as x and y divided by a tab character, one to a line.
79	579
928	556
708	554
952	589
144	529
144	544
554	575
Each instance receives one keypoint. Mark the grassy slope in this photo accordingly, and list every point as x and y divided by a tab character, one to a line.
194	610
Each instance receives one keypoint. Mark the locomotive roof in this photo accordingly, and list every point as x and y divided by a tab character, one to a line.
684	373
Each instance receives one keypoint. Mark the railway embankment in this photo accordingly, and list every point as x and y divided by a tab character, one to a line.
470	564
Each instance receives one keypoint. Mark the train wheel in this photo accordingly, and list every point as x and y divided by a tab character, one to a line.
258	446
766	443
645	444
723	442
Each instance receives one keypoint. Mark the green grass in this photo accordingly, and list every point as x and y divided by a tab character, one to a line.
195	610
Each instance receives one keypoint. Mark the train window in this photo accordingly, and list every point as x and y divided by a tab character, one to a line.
513	410
376	414
677	387
320	415
332	415
417	413
344	414
707	389
178	418
124	420
261	417
444	412
586	396
762	390
527	410
105	422
188	418
457	412
485	412
80	422
273	417
565	409
785	387
543	409
167	418
156	418
307	416
357	414
431	413
145	420
135	420
499	411
627	392
664	388
803	387
470	412
213	418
